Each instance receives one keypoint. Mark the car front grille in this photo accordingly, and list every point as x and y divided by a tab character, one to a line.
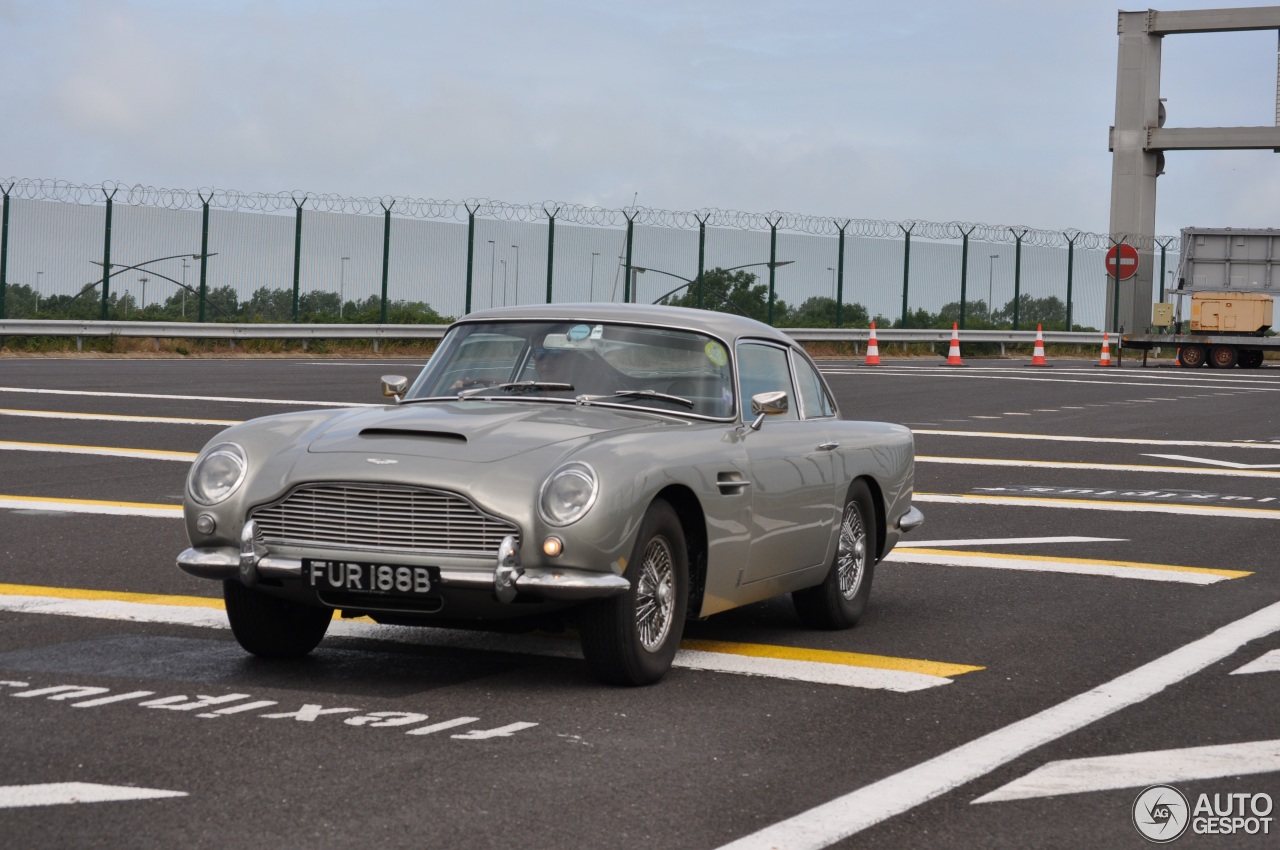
381	517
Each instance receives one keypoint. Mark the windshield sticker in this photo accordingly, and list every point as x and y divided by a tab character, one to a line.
716	353
578	333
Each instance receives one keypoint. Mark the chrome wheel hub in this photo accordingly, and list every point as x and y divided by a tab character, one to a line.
655	595
851	559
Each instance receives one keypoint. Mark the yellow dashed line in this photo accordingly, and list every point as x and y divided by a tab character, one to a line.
110	596
827	656
53	500
909	550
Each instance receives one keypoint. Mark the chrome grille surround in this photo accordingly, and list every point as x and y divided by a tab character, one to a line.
380	517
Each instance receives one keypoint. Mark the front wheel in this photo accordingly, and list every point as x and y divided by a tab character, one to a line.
841	599
270	627
631	639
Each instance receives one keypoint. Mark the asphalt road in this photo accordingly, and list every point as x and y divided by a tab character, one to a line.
1075	621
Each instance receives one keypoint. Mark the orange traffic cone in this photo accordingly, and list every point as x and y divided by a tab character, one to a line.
1106	351
873	349
953	356
1177	358
1037	356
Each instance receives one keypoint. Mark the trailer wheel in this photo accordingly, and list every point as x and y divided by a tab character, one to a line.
1191	356
1251	359
1222	356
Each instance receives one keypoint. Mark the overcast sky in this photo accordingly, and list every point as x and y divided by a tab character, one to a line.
983	111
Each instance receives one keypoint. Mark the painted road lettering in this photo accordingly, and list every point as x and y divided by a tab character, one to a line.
232	704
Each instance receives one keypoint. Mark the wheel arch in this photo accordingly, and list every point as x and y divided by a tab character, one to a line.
693	521
877	501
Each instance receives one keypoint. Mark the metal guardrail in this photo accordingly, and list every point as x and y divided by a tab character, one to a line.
233	331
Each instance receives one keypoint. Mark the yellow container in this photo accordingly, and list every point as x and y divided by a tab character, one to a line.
1230	312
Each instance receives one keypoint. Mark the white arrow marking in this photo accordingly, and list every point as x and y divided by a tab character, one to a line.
1229	464
59	793
1076	776
1269	663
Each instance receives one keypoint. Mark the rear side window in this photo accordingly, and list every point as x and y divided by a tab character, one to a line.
814	400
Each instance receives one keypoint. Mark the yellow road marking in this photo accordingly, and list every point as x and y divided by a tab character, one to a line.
911	550
1016	499
828	656
1228	472
52	500
110	596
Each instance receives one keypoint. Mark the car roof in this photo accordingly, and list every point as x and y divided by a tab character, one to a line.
727	326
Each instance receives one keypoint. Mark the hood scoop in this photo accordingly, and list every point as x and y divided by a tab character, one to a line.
420	433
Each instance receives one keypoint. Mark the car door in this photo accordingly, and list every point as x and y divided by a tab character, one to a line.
793	510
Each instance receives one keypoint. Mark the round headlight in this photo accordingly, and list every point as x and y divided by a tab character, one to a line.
217	473
568	494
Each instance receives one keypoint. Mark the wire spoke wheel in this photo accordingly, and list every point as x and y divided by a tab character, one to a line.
840	600
851	559
655	596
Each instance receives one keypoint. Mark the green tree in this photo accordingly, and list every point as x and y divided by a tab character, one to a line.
732	292
269	305
820	312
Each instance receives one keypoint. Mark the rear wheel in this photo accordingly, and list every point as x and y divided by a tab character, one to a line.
1192	356
631	639
1251	359
841	599
271	627
1222	356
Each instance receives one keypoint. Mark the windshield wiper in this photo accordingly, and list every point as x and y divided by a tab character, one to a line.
653	394
517	386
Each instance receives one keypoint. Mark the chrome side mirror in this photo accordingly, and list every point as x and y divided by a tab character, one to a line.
394	386
768	404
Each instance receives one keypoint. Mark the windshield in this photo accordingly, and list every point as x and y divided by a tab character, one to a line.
674	371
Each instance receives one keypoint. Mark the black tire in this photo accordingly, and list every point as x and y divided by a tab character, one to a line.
632	638
1251	359
841	599
270	627
1222	356
1192	356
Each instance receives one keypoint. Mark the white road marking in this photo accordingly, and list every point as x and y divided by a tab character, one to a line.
928	372
1138	770
1096	505
293	402
817	672
58	793
1004	541
1249	472
1268	663
1032	563
116	417
1210	461
844	816
1058	438
102	451
84	506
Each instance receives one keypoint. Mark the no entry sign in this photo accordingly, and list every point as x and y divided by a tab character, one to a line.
1128	256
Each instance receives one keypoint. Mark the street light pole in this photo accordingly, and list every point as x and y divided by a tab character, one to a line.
833	282
184	287
592	292
504	281
991	262
517	295
342	285
143	280
38	291
492	268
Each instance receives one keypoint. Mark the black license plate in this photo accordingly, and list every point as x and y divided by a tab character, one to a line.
379	579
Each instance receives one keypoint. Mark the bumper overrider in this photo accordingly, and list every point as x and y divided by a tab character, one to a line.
508	579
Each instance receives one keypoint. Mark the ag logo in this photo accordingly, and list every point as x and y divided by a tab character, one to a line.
1161	814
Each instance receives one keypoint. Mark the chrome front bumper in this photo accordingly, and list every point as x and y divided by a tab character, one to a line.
507	579
911	520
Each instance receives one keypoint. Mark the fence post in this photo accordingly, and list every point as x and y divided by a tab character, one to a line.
906	267
1071	260
1164	248
1017	273
386	255
773	260
964	272
4	253
204	253
471	252
702	253
551	247
627	294
106	254
840	276
297	256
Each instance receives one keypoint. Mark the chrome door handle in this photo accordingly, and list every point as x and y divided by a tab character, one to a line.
826	447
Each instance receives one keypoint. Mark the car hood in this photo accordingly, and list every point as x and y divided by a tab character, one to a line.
474	430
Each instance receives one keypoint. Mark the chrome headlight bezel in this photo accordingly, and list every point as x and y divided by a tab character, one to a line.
560	485
200	488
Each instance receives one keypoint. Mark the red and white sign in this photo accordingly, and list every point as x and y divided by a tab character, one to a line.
1128	261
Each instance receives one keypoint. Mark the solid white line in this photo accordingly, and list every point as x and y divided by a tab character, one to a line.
1096	505
1004	541
57	793
816	672
1058	438
1039	565
1268	663
68	506
236	399
117	417
101	451
844	816
1137	770
1230	464
1101	381
1235	472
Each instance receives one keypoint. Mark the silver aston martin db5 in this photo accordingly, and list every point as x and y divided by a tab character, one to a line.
617	467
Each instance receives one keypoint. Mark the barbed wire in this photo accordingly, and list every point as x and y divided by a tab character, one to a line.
427	208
